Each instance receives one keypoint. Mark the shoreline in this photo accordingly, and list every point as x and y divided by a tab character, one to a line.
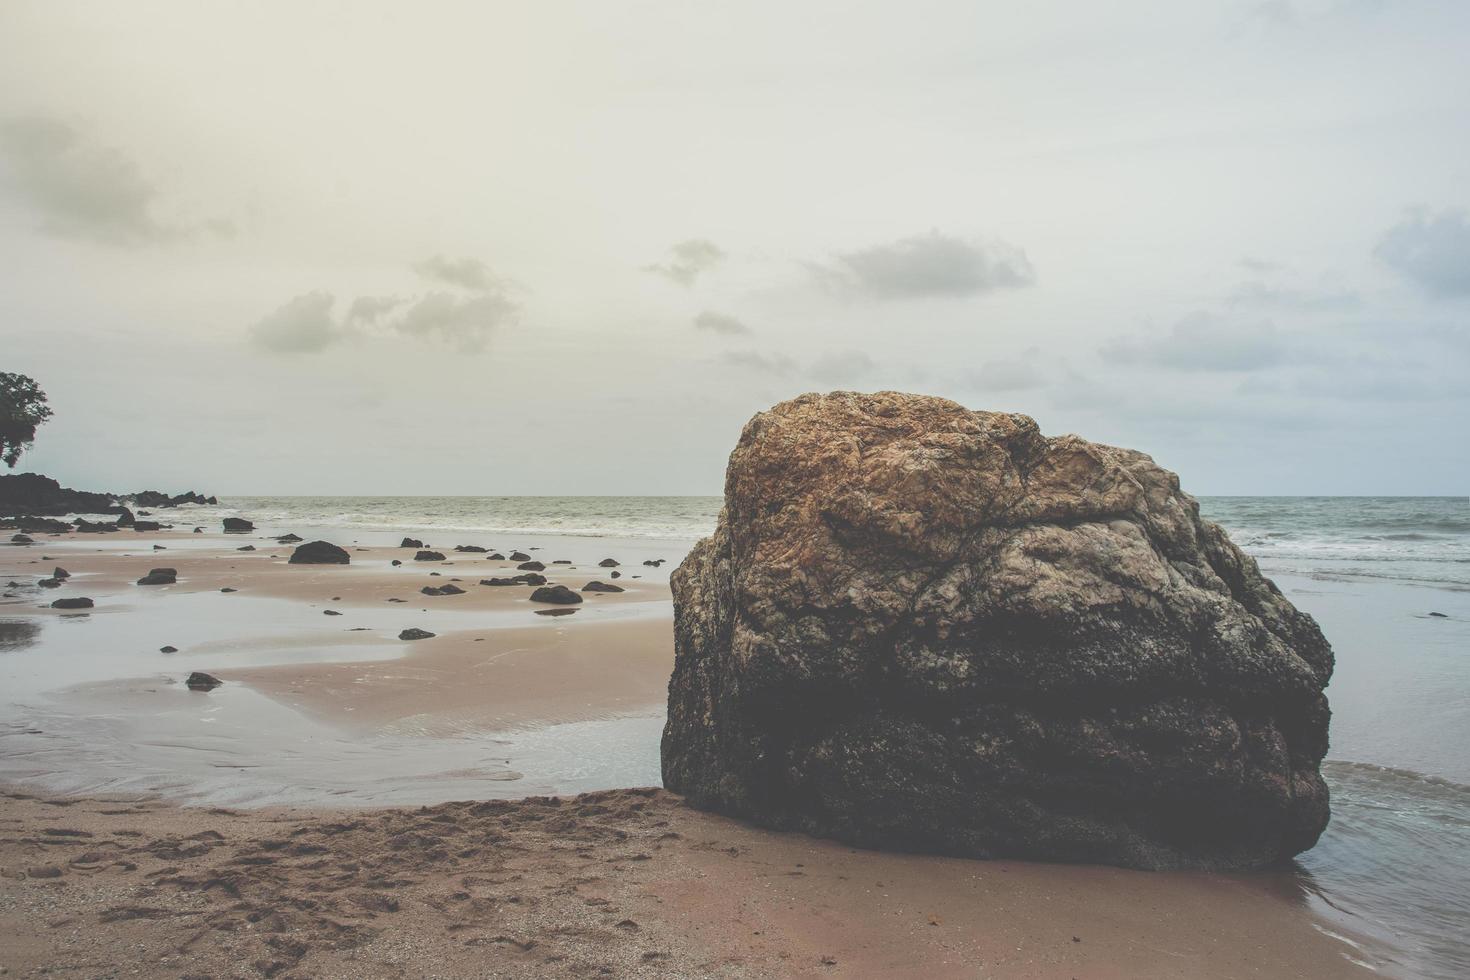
628	882
500	706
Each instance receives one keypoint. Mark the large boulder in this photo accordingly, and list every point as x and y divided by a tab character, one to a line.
319	553
926	628
237	525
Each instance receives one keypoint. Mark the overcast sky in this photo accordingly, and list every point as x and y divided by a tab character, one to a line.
570	248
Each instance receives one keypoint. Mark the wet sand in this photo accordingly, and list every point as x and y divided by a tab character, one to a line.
621	882
618	883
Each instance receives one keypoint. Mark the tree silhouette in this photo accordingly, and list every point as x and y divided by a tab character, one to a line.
22	408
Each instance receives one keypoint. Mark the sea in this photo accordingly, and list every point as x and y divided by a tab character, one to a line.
1387	578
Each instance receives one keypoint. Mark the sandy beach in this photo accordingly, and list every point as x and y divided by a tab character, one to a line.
110	867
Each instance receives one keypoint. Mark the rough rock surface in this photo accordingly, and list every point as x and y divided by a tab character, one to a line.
319	553
160	576
932	629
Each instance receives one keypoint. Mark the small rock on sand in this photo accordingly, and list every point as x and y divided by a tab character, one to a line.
519	556
415	634
609	563
531	566
288	539
495	557
168	649
330	612
1439	615
22	539
429	556
237	525
248	547
160	576
58	572
601	587
410	543
319	553
72	602
530	578
471	548
49	583
442	590
228	589
200	681
558	594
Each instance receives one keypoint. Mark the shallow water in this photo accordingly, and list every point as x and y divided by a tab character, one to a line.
1394	864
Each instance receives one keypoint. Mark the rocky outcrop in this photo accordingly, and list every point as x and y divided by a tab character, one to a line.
34	494
319	553
157	498
932	629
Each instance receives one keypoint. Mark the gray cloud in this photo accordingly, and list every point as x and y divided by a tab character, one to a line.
832	368
778	364
688	261
368	310
841	367
1204	342
1257	294
1430	250
1016	374
302	325
927	265
465	273
82	190
464	321
720	323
